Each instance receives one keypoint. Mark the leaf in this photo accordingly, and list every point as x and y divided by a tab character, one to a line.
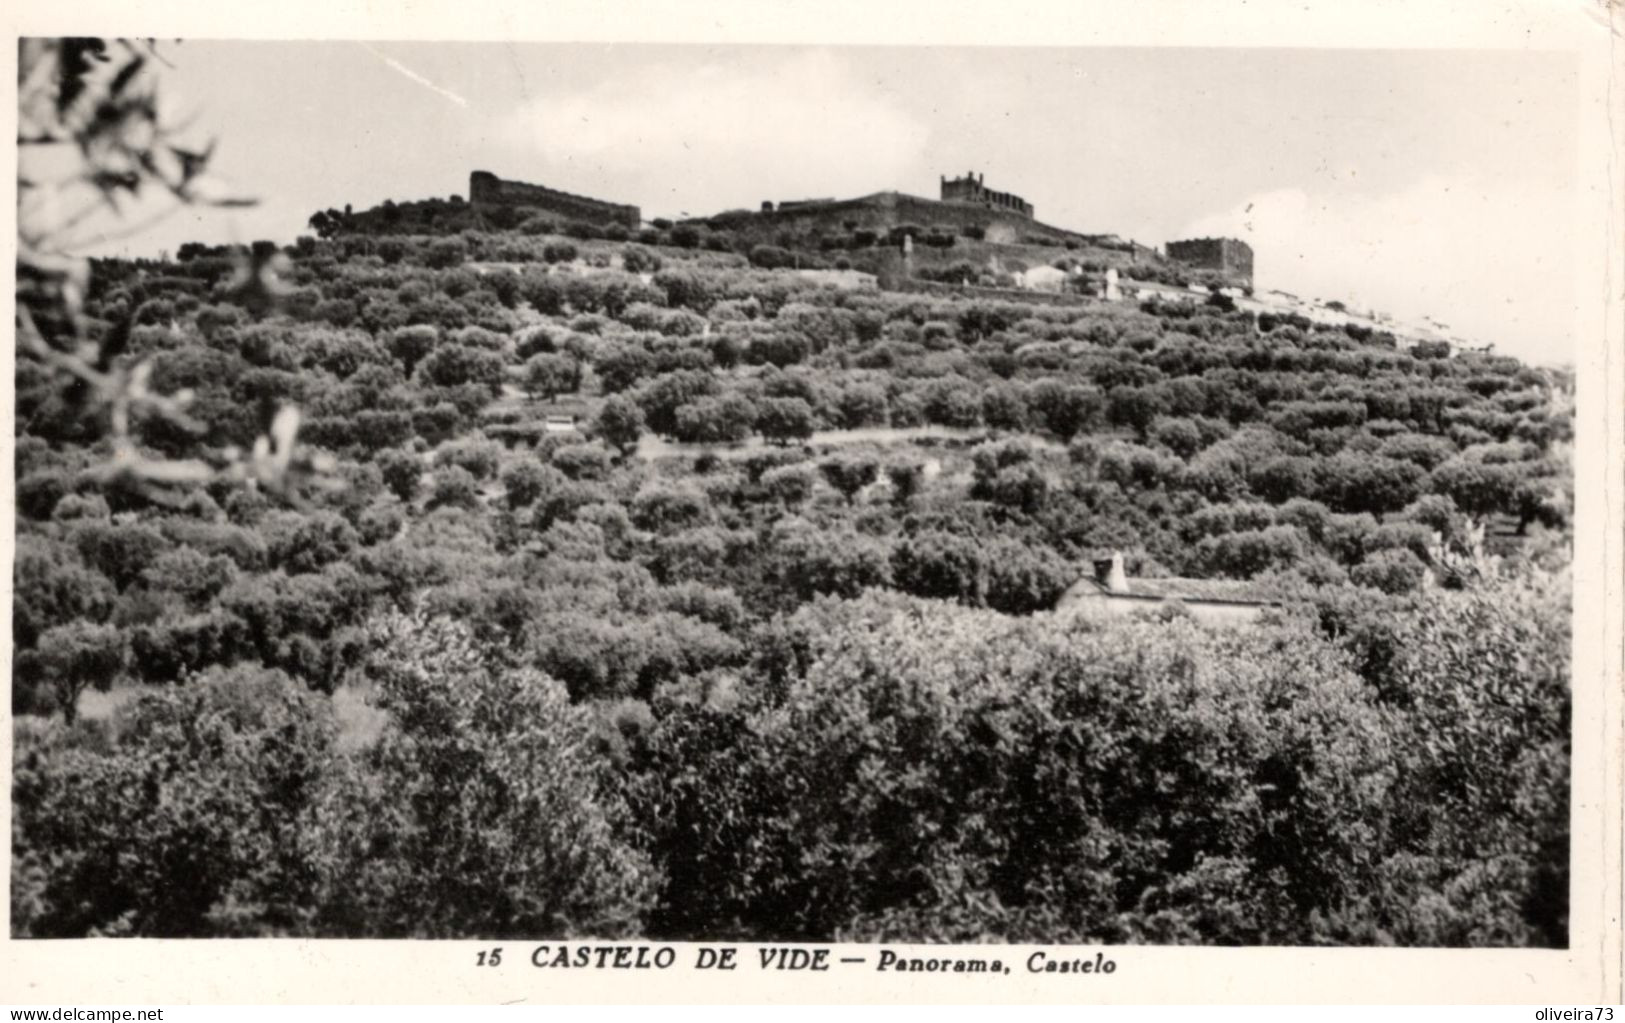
126	75
191	161
75	56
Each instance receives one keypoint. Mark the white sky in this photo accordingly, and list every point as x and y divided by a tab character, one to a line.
1413	182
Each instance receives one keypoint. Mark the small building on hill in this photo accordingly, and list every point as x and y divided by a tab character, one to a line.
1229	256
1110	591
1042	278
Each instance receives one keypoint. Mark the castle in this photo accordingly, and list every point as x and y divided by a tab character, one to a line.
1227	255
970	189
966	205
486	191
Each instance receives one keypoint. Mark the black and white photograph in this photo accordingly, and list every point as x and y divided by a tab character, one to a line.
890	495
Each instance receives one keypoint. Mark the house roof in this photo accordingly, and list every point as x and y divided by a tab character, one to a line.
1223	591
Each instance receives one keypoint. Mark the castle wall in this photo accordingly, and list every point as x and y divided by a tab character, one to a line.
486	190
885	210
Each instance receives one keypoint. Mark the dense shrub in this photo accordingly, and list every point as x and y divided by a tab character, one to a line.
967	729
824	675
200	820
486	774
784	419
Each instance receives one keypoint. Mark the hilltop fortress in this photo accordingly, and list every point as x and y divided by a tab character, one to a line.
967	206
966	209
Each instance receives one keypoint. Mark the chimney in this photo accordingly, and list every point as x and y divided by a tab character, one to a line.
1109	573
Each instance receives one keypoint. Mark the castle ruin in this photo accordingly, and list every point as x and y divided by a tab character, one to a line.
1226	255
970	189
486	191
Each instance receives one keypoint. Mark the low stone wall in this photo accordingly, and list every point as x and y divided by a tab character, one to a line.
995	294
1224	613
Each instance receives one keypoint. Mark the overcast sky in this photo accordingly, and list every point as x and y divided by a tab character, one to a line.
1437	182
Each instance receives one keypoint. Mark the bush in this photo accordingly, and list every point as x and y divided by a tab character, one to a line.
582	461
849	474
38	492
776	349
789	484
1247	553
120	552
455	365
784	419
1103	785
1477	853
196	821
454	487
487	775
771	257
527	479
715	420
68	660
446	252
559	252
662	507
1393	570
410	345
402	471
1181	436
537	340
620	366
299	543
551	375
478	454
810	562
620	423
637	260
664	395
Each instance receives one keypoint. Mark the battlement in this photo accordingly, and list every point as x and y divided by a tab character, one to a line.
971	189
486	190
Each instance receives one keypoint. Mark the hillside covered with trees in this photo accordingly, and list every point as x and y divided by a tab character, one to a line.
763	647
